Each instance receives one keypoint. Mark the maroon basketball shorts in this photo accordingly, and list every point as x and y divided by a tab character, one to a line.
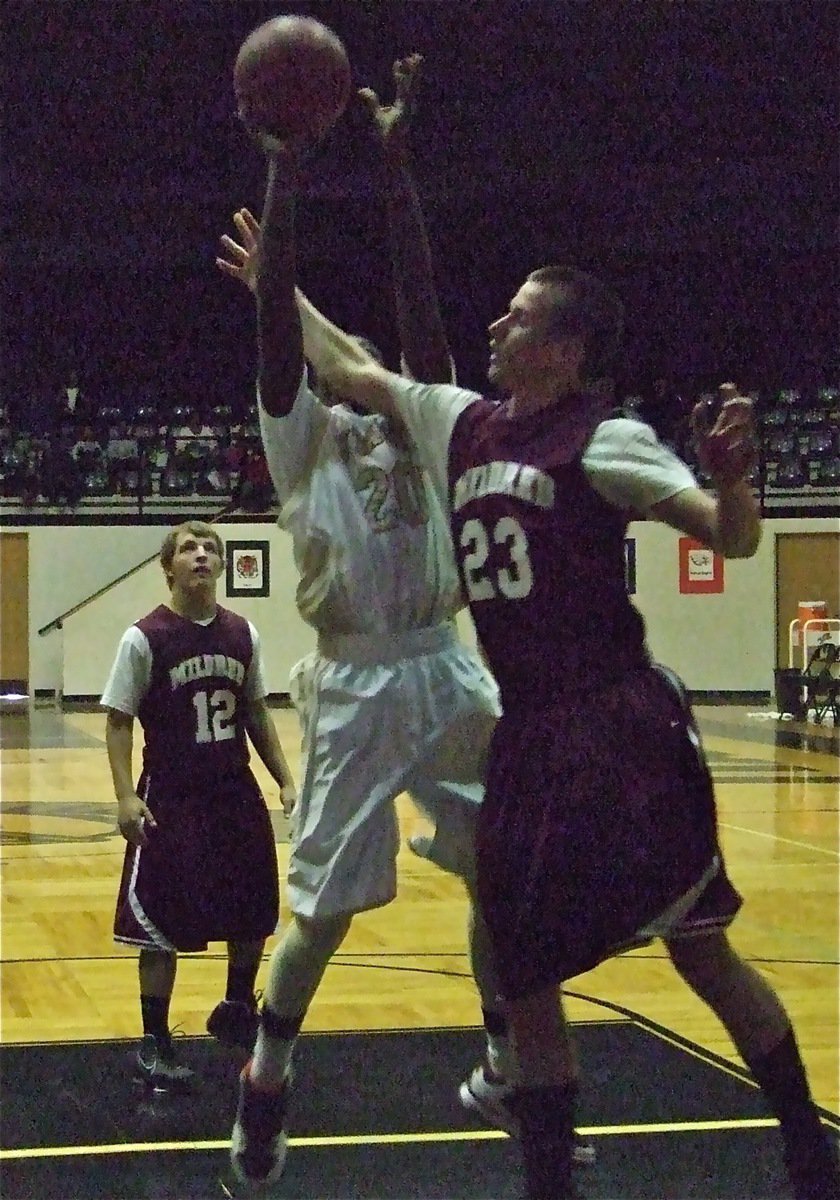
599	816
208	873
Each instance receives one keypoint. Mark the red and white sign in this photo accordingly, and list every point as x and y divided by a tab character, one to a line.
701	570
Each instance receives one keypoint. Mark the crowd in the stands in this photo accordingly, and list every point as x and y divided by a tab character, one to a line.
81	450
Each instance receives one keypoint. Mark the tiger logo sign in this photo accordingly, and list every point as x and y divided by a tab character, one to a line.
247	566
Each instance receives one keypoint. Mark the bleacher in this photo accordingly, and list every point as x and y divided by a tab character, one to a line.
800	441
207	462
194	463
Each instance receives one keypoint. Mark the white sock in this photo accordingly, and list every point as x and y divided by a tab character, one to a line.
272	1060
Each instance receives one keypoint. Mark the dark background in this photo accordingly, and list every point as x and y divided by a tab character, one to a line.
688	151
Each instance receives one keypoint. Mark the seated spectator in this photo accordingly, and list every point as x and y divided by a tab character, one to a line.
123	455
146	423
87	450
107	421
255	491
61	479
198	452
195	437
221	420
21	468
151	437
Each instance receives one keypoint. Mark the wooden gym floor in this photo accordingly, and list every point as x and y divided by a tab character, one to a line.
400	991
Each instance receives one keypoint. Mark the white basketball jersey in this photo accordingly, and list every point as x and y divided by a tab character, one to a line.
370	538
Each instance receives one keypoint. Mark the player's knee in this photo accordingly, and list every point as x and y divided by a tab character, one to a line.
156	956
323	935
454	851
703	962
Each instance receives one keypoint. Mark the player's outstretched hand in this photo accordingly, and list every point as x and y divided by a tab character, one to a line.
241	259
133	816
725	438
392	120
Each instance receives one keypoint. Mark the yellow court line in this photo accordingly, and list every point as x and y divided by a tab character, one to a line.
775	837
385	1139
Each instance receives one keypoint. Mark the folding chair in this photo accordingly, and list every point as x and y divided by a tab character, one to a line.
822	681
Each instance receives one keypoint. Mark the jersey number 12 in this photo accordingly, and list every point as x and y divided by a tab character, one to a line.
215	715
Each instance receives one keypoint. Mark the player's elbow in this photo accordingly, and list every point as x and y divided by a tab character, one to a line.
744	545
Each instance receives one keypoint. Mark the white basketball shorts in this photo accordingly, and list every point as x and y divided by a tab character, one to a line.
382	715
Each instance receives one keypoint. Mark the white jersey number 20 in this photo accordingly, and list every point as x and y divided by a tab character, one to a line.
515	580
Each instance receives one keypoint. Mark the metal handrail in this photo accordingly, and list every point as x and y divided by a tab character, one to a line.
58	622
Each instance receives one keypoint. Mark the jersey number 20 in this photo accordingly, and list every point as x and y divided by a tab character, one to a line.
215	715
514	580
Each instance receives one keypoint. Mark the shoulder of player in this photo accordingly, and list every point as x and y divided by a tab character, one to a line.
620	424
425	393
139	632
617	432
305	398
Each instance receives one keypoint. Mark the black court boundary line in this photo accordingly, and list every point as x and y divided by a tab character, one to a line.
340	960
685	1044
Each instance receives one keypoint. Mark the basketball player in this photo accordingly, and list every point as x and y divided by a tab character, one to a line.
391	701
200	864
598	830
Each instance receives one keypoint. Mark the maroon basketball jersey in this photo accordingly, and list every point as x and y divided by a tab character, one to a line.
541	554
193	714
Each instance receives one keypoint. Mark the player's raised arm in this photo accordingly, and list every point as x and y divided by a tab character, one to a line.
338	358
342	362
729	521
422	335
279	337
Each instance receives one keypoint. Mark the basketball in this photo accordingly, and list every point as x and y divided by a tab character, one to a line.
292	78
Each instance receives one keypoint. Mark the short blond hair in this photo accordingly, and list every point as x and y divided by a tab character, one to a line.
199	528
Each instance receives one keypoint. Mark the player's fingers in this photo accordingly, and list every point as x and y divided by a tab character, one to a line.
697	418
233	248
250	236
413	68
229	268
406	83
133	833
250	221
369	99
408	67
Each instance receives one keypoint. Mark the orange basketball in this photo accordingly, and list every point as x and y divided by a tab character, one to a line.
292	78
